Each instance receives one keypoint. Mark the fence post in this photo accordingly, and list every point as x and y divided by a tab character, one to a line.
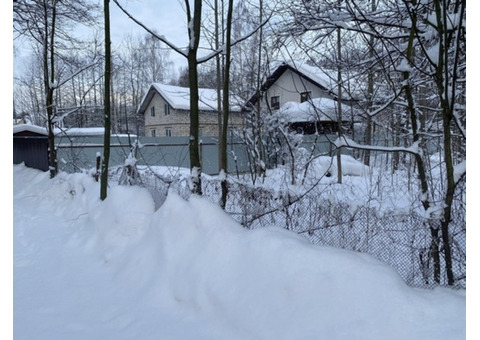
201	153
97	166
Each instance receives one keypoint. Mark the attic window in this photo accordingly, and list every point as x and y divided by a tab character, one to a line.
275	102
305	96
167	109
152	111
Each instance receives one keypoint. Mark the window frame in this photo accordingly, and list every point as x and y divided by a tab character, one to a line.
275	105
305	96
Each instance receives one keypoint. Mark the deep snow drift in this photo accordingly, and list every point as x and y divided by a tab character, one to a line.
118	269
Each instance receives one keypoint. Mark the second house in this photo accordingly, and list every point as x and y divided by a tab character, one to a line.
166	109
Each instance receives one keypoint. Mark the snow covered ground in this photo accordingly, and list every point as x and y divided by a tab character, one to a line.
118	269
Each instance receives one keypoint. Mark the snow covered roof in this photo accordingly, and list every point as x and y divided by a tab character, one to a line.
30	128
93	131
323	78
179	98
318	109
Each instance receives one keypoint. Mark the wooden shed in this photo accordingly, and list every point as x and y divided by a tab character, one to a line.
30	146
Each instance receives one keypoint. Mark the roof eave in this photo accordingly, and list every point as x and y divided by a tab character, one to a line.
146	100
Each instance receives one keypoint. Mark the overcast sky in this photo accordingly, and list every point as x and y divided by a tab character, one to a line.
166	17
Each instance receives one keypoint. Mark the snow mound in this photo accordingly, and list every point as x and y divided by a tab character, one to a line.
121	270
325	165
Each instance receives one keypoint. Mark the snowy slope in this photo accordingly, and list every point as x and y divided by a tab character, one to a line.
86	269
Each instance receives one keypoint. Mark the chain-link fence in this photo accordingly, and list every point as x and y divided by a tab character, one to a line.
400	238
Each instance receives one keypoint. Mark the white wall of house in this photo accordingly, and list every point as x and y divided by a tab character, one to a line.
176	123
289	87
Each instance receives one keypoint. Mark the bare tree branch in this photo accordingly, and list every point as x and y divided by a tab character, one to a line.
159	37
221	49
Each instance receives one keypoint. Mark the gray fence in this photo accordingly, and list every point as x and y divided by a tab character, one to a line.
78	153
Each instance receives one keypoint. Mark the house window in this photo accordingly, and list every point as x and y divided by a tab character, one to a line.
168	132
152	111
167	109
275	102
305	96
153	133
200	132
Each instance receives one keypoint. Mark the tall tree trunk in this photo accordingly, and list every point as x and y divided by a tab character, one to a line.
449	195
446	90
219	69
106	138
226	105
194	39
49	80
368	127
339	95
422	175
257	129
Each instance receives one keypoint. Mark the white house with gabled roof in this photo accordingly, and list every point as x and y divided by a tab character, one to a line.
295	82
166	109
304	96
